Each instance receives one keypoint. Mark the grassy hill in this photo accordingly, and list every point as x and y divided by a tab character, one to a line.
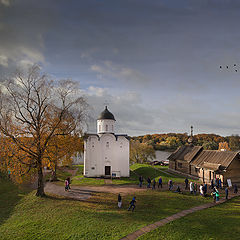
24	216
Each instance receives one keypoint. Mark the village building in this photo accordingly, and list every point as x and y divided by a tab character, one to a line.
106	154
206	165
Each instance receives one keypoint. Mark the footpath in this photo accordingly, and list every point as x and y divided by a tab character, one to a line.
176	216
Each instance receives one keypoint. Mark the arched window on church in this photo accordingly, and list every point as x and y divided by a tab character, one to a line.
107	144
106	128
112	128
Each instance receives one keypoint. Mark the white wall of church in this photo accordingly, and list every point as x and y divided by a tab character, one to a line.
106	150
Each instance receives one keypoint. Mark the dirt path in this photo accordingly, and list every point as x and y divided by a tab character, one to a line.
85	192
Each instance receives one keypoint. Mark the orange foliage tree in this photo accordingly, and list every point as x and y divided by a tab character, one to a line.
61	150
34	110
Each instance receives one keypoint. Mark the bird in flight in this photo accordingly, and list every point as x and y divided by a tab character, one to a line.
233	67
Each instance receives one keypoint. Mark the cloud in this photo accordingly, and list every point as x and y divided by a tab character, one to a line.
111	71
22	30
99	92
3	61
5	2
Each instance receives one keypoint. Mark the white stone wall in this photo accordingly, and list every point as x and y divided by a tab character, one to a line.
103	151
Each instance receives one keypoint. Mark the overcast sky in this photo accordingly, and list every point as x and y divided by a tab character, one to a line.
156	63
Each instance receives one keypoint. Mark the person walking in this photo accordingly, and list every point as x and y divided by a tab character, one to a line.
149	182
69	182
217	195
132	204
216	182
191	186
194	188
226	193
186	183
154	184
220	183
213	193
201	190
170	185
119	201
235	188
212	185
66	185
205	189
140	181
160	182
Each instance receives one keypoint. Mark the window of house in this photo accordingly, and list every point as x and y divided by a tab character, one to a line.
99	128
106	127
107	144
112	128
179	165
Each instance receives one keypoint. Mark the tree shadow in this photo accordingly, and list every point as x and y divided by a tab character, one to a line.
10	195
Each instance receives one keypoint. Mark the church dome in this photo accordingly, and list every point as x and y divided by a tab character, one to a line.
106	115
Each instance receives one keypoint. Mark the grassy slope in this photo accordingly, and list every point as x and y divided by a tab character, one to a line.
136	169
10	195
220	222
24	216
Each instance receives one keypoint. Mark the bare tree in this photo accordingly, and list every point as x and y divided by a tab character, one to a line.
33	110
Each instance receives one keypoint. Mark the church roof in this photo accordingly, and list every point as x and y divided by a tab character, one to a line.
106	115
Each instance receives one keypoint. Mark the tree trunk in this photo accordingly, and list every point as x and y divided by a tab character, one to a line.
40	188
54	174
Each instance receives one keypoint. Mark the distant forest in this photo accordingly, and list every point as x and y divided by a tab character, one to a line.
171	141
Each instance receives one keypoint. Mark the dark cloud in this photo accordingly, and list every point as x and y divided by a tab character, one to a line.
156	62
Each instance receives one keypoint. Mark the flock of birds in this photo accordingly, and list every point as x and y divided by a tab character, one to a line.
234	67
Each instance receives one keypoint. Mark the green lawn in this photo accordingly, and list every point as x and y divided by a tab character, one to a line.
24	216
136	170
220	222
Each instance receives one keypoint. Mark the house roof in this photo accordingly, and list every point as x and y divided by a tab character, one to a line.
212	166
187	153
212	158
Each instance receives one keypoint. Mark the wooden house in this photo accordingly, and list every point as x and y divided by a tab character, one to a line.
206	164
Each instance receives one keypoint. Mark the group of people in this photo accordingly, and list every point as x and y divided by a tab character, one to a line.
193	187
149	182
132	203
217	182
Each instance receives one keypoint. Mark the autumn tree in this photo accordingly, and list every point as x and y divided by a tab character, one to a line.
61	149
141	152
34	109
234	142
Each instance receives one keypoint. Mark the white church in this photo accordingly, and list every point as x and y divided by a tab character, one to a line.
106	154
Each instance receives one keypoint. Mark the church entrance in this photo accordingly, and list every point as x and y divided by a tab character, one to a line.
107	170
